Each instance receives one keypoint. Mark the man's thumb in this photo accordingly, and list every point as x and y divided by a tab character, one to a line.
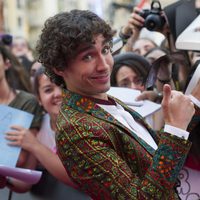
166	94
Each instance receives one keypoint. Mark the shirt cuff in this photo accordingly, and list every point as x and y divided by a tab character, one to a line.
176	131
194	100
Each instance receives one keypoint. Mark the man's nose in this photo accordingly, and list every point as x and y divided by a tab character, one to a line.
102	63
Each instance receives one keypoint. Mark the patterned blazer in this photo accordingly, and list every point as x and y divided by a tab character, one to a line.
109	161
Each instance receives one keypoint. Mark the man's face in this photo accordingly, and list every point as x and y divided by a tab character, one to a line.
89	72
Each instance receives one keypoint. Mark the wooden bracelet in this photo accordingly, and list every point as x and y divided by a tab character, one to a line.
123	36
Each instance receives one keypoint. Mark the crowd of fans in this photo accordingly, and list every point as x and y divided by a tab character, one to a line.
25	85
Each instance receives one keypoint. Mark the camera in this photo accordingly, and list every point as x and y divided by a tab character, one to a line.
154	21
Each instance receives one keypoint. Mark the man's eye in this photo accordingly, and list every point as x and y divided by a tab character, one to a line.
106	49
87	57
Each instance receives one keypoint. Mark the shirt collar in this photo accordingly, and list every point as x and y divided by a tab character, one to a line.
103	102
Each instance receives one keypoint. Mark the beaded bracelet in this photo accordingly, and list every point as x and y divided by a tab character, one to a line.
123	36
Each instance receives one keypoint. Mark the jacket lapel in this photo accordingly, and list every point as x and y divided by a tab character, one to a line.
84	104
139	119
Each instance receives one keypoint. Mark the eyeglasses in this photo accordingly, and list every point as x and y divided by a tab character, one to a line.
164	61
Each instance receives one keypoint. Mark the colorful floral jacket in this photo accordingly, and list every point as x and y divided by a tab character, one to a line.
109	161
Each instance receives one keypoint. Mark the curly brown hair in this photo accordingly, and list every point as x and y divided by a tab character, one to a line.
63	34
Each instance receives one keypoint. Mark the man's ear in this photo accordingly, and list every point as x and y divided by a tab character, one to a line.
58	72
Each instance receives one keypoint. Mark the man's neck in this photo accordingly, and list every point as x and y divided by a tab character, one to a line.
101	96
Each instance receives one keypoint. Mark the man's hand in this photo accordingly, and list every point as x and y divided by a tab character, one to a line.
178	109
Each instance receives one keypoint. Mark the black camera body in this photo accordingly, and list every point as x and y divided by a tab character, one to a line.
154	21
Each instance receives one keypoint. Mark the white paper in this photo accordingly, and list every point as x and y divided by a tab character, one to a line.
26	175
194	80
189	39
11	116
147	108
126	95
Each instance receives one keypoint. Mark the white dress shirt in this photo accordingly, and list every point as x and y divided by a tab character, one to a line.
118	112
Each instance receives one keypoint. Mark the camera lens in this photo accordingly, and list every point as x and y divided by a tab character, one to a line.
153	19
153	22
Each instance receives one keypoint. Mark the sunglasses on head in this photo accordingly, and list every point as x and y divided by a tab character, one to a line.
6	39
163	61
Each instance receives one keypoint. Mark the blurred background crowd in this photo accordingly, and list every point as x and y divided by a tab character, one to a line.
26	17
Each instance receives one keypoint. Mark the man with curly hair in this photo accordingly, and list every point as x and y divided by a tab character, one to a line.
106	147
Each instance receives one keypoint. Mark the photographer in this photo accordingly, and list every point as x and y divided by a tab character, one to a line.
152	19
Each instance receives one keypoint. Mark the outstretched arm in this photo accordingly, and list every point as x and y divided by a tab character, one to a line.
131	30
24	138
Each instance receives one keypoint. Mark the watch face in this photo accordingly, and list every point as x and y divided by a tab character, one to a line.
117	45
